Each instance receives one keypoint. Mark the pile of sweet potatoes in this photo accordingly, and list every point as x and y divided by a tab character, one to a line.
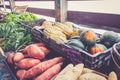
30	64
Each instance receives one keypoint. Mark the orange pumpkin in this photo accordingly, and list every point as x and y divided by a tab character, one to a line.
97	48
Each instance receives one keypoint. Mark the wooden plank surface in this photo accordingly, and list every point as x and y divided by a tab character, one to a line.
12	4
61	10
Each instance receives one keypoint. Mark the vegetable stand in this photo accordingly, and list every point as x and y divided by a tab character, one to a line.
68	40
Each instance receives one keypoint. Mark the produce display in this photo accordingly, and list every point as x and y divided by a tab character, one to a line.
79	38
29	61
14	35
31	64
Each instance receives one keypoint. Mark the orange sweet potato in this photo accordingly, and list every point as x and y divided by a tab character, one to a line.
41	67
45	50
20	74
28	63
35	52
18	56
37	44
48	74
10	58
25	49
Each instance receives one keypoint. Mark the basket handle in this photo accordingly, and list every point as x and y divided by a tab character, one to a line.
114	60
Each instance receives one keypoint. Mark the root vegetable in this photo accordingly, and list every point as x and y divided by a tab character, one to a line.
18	56
28	63
63	72
112	76
78	70
35	52
41	67
25	49
40	44
45	50
36	44
91	76
10	58
26	56
20	74
48	74
86	70
72	74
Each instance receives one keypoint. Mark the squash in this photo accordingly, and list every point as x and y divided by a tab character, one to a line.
65	29
109	38
97	48
69	24
46	24
51	31
76	44
88	37
76	32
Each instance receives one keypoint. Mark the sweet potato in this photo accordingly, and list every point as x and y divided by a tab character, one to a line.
26	56
35	52
48	74
20	74
37	44
41	67
25	49
45	50
28	63
18	56
10	58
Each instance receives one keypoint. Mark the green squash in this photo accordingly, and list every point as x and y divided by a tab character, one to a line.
109	38
76	44
88	37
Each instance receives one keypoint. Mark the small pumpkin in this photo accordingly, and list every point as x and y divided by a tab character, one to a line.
88	37
97	48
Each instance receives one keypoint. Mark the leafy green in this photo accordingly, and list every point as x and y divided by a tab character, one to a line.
28	16
15	36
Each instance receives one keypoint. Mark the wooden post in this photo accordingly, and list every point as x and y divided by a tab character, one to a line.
12	4
60	10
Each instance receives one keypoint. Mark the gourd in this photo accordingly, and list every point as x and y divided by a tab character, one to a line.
97	48
109	38
46	24
88	37
76	43
76	32
65	29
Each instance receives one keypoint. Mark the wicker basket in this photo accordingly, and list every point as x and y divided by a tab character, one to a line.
75	56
